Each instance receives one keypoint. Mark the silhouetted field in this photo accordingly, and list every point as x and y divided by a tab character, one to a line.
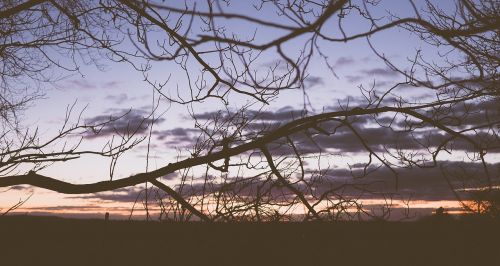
29	240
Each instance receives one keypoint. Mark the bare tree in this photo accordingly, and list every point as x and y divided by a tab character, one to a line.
220	64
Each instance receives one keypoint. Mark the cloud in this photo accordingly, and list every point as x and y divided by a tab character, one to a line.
121	122
117	99
380	133
473	114
344	61
423	183
378	139
372	73
80	84
420	183
242	187
179	137
171	176
110	84
312	81
385	72
286	113
88	84
354	78
128	194
20	187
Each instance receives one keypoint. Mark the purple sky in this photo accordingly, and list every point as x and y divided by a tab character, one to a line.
119	88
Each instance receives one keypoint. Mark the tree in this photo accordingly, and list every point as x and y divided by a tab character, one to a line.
224	65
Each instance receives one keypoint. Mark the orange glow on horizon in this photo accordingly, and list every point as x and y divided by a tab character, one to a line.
420	208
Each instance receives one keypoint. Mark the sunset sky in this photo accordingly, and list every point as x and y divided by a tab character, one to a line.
117	89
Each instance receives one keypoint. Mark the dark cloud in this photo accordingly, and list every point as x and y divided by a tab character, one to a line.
19	187
87	84
263	126
486	141
171	176
344	61
379	133
280	148
422	183
128	194
242	187
378	139
122	99
382	83
472	114
121	122
110	84
373	73
80	84
286	113
384	72
312	81
180	132
181	137
414	87
117	99
354	78
482	115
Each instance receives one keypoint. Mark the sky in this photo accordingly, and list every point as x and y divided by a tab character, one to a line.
118	89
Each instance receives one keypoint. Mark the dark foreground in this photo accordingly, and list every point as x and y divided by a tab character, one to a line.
54	241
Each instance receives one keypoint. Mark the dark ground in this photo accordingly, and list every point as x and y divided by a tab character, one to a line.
26	240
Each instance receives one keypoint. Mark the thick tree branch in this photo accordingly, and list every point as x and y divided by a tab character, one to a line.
19	8
295	126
